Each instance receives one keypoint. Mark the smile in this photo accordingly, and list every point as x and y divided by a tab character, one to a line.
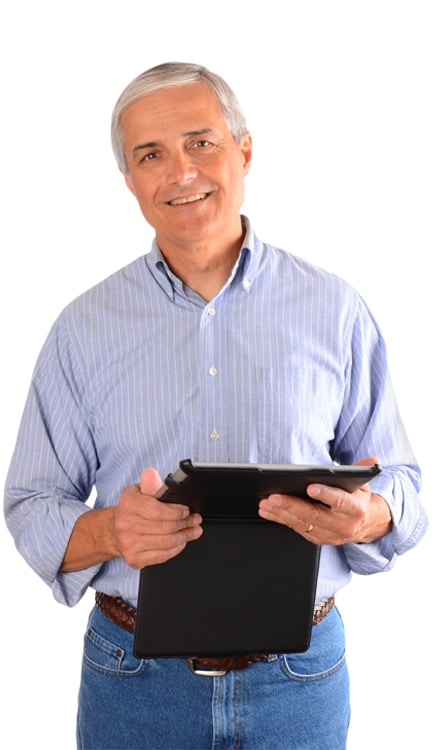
189	199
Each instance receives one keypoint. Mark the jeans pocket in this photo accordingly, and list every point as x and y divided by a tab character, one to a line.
301	672
109	657
325	655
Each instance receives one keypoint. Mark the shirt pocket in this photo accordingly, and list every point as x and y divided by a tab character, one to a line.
297	413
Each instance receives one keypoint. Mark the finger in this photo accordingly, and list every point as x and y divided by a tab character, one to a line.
147	515
158	549
335	498
293	512
368	461
150	481
167	534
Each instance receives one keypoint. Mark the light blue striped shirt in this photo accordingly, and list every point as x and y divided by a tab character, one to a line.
285	365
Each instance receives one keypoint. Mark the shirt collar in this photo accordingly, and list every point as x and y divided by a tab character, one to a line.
244	271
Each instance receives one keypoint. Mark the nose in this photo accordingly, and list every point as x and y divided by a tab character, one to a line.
181	169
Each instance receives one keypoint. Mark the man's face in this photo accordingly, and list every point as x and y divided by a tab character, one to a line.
185	168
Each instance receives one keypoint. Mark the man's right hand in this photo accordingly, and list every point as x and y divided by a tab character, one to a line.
148	531
139	528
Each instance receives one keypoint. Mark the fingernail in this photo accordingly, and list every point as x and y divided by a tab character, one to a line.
275	500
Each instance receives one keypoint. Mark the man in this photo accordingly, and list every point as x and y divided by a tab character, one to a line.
217	347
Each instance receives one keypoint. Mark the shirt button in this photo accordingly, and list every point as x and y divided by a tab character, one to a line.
211	311
213	370
214	435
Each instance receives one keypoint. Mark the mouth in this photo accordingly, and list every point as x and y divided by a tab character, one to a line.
189	199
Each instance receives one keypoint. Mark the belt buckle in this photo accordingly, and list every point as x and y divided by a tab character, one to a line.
205	672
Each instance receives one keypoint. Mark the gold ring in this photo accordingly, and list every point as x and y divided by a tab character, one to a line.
309	528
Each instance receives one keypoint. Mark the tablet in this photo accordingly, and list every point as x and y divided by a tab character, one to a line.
247	585
244	587
234	490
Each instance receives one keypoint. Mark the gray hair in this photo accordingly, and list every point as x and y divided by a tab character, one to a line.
169	75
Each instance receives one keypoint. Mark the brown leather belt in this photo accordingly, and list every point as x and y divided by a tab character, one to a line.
123	615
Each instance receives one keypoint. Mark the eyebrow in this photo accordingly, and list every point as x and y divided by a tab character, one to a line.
153	144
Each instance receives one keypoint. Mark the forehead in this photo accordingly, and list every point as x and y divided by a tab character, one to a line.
171	111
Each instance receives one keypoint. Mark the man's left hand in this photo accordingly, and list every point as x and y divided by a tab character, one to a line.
339	516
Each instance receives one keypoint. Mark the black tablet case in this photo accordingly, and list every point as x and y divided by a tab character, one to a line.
234	490
244	587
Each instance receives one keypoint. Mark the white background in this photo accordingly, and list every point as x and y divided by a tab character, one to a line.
338	98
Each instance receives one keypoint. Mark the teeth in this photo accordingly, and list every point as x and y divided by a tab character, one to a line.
189	199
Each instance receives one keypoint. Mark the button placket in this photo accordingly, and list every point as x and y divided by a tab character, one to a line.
214	435
210	404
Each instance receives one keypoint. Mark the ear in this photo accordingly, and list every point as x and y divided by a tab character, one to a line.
128	181
246	149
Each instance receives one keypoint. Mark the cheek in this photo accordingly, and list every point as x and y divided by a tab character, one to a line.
142	194
129	184
236	184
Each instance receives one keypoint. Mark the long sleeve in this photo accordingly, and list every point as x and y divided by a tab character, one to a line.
53	467
370	424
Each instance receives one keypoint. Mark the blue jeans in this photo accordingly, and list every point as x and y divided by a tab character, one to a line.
296	701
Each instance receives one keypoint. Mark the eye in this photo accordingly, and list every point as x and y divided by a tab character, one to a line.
150	156
201	144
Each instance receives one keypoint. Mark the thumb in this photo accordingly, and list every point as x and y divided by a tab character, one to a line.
150	482
369	461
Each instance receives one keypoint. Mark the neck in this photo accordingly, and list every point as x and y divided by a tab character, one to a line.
203	268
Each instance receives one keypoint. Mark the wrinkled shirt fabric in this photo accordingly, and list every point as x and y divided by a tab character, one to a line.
286	364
